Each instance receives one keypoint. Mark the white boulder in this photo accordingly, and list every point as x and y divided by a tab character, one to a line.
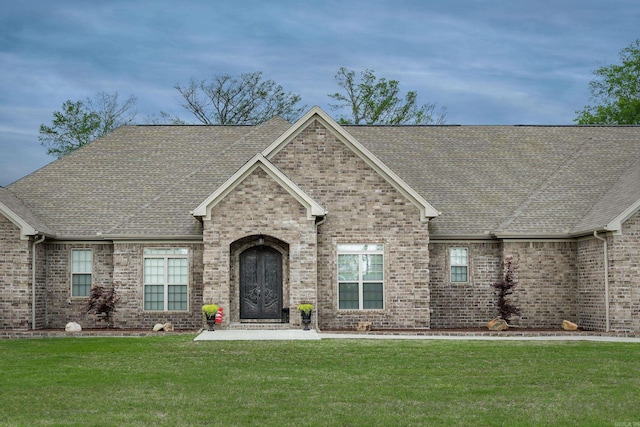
73	327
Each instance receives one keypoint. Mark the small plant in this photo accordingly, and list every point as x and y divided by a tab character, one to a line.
504	288
102	302
305	308
209	309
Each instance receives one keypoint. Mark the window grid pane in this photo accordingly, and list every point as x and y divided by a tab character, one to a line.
177	297
348	296
372	295
177	271
154	297
81	285
81	260
458	274
153	271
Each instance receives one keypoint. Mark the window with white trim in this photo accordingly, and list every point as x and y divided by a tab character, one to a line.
81	272
459	265
166	279
360	276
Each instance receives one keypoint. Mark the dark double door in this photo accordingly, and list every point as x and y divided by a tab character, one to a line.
260	283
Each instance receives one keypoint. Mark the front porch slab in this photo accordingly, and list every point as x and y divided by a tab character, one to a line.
257	335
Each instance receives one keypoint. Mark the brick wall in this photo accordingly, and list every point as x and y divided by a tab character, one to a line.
129	283
362	208
464	305
624	275
15	278
591	292
259	206
547	282
61	307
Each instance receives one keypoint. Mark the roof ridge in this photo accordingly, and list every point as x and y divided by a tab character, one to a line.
177	182
534	193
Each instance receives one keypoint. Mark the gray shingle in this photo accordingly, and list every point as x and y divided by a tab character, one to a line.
145	180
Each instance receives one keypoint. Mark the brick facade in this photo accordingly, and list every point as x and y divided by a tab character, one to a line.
557	279
624	276
464	305
362	208
256	207
15	278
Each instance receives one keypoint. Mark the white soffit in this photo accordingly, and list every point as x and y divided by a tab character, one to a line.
427	211
259	161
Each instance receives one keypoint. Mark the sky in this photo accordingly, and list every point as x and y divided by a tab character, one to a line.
488	62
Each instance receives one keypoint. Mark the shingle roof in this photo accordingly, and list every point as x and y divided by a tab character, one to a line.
530	180
513	179
17	211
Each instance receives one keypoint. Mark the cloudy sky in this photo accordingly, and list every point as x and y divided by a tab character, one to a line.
488	62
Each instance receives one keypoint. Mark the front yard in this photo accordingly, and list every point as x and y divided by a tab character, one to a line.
174	381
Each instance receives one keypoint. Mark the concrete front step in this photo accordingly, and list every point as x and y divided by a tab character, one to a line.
259	326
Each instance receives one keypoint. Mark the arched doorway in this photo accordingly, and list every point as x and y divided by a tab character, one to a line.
260	283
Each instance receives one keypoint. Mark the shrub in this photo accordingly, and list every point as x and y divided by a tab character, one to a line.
102	302
504	288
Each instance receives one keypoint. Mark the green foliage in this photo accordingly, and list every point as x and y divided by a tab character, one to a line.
378	101
305	308
209	309
79	123
102	302
245	99
616	90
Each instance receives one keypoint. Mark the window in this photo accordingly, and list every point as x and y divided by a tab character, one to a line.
360	277
459	262
81	272
166	279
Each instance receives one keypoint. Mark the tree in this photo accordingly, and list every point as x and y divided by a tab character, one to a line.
616	91
378	101
246	99
78	123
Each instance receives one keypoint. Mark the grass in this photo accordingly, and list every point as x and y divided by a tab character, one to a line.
175	381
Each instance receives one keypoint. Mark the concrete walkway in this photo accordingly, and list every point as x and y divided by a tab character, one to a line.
299	334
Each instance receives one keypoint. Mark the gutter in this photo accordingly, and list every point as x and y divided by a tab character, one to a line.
606	279
33	280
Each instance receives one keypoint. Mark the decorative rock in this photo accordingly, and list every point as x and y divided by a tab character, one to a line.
168	327
498	324
363	326
569	326
158	327
72	327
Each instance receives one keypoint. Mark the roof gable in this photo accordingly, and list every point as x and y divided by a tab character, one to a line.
427	211
259	161
15	211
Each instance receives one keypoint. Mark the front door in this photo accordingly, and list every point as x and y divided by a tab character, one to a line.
260	283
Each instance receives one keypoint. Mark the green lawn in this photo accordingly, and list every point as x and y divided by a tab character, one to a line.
175	381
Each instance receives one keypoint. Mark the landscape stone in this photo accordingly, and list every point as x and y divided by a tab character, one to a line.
569	326
73	327
498	324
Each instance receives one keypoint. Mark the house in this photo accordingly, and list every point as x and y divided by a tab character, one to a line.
405	227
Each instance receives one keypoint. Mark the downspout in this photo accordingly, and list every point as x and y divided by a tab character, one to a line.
606	280
324	218
33	280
